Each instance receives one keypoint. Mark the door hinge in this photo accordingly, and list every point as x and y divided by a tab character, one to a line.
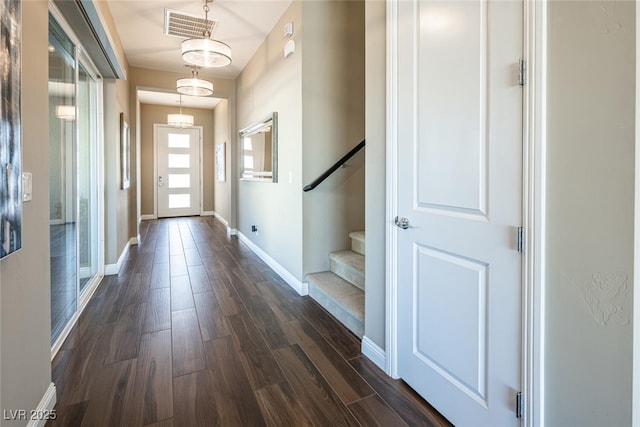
520	245
522	74
519	404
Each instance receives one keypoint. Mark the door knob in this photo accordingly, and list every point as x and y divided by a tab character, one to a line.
402	223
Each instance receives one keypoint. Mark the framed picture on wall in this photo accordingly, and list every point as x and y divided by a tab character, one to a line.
125	152
220	162
11	135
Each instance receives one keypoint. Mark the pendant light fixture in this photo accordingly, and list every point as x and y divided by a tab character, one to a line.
205	52
180	120
194	86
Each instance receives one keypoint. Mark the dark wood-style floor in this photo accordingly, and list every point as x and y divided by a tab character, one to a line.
197	331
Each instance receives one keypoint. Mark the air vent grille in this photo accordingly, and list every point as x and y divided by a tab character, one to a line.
186	26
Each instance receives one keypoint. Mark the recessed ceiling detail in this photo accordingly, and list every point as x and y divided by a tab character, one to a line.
185	25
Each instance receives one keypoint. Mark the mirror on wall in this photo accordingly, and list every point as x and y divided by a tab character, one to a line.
259	150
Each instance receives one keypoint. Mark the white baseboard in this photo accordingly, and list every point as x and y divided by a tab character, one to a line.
221	219
298	286
45	407
374	353
147	217
232	231
207	213
134	240
112	269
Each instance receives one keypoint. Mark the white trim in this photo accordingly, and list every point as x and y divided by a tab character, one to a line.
300	287
64	334
635	394
46	405
83	300
231	231
112	269
57	222
534	193
134	240
138	166
148	217
201	142
391	232
374	353
207	213
222	220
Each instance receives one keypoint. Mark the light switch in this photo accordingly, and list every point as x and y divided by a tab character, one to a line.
26	187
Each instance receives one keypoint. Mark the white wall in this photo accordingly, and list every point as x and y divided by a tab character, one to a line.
590	189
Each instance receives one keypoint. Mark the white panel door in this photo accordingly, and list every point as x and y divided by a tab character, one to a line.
459	185
178	171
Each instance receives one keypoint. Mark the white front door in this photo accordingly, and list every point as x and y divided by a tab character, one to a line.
459	185
178	171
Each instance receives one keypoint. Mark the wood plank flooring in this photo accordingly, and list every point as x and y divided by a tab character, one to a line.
197	331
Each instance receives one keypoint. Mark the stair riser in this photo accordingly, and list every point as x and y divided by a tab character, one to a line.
352	323
348	273
357	246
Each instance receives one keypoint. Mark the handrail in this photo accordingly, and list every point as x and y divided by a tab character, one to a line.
333	168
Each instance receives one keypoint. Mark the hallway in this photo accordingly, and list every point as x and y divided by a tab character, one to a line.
197	331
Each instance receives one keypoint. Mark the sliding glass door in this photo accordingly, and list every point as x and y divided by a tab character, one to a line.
74	172
87	177
62	172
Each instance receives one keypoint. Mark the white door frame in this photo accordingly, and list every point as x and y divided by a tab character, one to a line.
534	137
635	410
155	166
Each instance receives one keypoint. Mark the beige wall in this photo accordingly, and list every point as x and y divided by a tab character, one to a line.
590	193
162	81
318	93
152	114
25	314
117	201
271	83
221	135
25	296
375	185
333	116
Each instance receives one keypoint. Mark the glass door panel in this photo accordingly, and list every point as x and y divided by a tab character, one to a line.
87	178
62	175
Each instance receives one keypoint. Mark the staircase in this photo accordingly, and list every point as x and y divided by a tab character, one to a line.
341	290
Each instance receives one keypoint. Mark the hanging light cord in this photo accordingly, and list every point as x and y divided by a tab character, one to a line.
206	33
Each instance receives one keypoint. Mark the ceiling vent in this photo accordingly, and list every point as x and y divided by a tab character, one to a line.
186	26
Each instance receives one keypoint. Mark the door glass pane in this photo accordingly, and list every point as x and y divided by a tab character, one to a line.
179	201
179	180
62	178
87	185
179	140
179	161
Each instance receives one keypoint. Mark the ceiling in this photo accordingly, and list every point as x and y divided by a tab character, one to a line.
242	24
